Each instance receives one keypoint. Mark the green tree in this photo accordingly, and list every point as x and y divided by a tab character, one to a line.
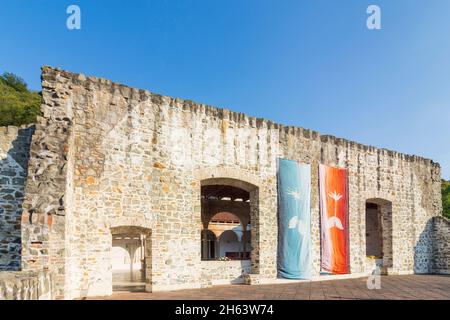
446	198
18	105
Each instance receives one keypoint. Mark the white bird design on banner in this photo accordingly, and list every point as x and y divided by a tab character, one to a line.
294	222
334	221
294	193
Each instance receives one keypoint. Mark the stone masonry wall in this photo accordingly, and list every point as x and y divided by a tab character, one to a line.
26	285
48	192
14	155
118	156
441	249
224	272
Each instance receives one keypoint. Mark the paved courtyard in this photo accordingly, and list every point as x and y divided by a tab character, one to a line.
432	287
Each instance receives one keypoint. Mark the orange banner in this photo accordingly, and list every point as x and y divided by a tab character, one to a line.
334	219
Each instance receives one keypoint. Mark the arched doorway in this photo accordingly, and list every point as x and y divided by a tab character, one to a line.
226	211
379	233
120	259
130	258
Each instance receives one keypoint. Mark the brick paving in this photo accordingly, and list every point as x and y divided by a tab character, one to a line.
411	287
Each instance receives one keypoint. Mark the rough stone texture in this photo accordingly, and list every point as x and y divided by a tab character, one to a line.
26	286
14	155
46	227
105	155
224	272
441	245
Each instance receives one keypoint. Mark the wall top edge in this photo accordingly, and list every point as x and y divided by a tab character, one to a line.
50	75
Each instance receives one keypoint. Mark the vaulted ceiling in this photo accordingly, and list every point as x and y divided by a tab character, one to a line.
222	191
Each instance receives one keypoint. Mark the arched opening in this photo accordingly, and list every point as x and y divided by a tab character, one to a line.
130	258
120	259
225	238
226	220
209	245
379	233
230	246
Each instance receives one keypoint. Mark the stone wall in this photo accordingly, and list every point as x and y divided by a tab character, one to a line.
106	155
14	155
26	286
46	227
441	249
224	272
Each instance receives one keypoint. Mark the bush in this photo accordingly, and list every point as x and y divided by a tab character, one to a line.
446	198
18	105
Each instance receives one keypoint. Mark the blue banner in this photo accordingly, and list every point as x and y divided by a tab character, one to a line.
294	220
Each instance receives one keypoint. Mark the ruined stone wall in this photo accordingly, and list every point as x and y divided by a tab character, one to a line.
14	155
29	285
118	156
46	217
224	272
441	248
410	183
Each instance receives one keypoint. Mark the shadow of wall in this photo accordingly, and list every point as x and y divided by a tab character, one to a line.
432	249
14	155
423	250
441	245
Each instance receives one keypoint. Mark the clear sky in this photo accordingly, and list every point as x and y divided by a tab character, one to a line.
308	63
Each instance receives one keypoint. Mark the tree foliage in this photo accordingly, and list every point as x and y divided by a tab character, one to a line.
18	105
446	198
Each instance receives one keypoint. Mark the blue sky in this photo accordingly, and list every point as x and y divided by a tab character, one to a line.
310	63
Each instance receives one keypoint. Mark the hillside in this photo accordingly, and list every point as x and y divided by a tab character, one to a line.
18	105
446	198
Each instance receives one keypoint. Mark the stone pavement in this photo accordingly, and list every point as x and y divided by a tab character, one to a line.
431	287
123	280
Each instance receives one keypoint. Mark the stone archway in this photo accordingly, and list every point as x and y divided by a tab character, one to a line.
241	180
230	245
136	241
209	245
218	224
